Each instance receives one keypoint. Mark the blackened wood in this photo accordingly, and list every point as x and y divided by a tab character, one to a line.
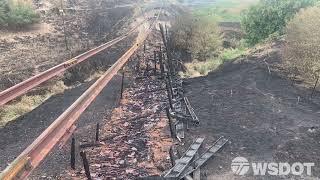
172	156
73	153
148	68
122	81
170	85
170	67
172	131
155	62
97	132
169	93
161	64
85	165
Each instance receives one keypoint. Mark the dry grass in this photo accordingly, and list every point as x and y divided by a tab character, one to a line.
197	68
24	2
202	68
27	103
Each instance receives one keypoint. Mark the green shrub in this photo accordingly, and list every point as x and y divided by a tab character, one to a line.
302	49
200	37
17	14
269	17
4	9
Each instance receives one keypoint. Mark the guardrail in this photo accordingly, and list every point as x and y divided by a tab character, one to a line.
63	127
23	87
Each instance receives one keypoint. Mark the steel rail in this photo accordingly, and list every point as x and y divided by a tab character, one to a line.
24	86
64	126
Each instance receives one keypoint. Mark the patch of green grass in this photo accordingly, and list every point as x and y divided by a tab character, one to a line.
27	103
14	110
225	10
229	54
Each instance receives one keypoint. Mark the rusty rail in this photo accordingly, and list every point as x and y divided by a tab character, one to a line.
64	126
23	87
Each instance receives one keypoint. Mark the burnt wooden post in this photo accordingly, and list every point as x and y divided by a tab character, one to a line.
122	81
138	64
97	132
172	156
85	165
148	67
169	93
167	49
155	62
64	26
170	85
161	64
170	123
315	86
73	154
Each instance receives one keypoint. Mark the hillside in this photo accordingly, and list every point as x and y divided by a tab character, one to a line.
267	117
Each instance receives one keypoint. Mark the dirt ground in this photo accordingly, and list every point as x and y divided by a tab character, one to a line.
260	114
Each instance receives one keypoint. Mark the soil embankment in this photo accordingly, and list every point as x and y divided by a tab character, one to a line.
266	117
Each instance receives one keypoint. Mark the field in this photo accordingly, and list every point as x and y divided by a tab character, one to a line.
225	10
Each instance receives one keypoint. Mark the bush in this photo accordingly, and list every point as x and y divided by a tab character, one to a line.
200	37
4	9
269	17
17	14
302	50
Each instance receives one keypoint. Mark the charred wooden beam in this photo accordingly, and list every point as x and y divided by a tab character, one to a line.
122	84
172	130
85	165
73	154
97	132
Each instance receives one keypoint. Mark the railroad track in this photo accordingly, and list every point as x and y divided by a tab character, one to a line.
23	87
63	127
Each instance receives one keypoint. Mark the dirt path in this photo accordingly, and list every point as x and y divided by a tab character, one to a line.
261	115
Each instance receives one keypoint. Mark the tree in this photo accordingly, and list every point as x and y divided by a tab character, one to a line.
17	14
269	17
302	49
200	37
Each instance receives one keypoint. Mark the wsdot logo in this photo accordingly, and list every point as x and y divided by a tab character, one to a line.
240	166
